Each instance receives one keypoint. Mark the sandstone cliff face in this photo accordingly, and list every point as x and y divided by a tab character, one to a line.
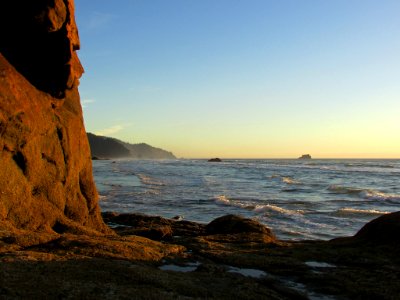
46	179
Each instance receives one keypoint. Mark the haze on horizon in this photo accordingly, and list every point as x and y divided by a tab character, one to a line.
244	79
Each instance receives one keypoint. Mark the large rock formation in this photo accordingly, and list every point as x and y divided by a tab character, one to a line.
46	179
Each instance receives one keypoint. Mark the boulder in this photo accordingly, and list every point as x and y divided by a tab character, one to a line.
152	227
46	171
232	224
382	230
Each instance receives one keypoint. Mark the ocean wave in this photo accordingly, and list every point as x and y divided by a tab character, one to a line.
102	197
149	181
148	192
286	179
364	193
375	195
337	189
355	211
274	208
222	199
366	165
257	208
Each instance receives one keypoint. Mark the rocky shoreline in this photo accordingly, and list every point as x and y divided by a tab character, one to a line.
55	243
150	257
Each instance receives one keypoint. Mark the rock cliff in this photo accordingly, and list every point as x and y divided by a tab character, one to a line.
46	179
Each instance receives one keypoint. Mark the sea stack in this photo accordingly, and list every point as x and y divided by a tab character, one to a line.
46	172
305	156
215	160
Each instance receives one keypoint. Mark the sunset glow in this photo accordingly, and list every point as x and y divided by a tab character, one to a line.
244	79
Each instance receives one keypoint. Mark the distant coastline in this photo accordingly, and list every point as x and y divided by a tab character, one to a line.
103	147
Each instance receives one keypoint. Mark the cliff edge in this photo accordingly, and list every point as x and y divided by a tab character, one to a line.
46	179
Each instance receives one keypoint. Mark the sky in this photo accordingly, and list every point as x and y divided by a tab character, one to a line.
244	78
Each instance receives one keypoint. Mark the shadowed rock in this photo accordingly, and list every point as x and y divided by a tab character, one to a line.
152	227
235	224
382	230
39	38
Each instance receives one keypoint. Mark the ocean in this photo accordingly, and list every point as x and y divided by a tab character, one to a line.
297	199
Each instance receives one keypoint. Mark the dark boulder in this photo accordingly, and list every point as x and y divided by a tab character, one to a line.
152	227
232	224
382	230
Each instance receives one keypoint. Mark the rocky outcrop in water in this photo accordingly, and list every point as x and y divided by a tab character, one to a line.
215	160
46	174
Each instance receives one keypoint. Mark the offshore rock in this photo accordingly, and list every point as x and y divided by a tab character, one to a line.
46	173
215	160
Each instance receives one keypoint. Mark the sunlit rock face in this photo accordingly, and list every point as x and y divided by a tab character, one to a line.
46	179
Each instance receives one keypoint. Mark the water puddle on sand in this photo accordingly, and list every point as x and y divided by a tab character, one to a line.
258	274
319	264
302	289
116	225
254	273
189	267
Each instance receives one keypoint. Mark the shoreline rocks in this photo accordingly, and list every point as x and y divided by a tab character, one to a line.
208	258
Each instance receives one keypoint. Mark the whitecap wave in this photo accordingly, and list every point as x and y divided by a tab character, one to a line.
376	195
289	180
364	193
257	208
274	208
286	179
222	199
355	211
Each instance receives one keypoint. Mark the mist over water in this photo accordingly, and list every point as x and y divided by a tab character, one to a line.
298	199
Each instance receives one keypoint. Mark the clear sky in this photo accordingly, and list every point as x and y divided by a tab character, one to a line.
244	78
